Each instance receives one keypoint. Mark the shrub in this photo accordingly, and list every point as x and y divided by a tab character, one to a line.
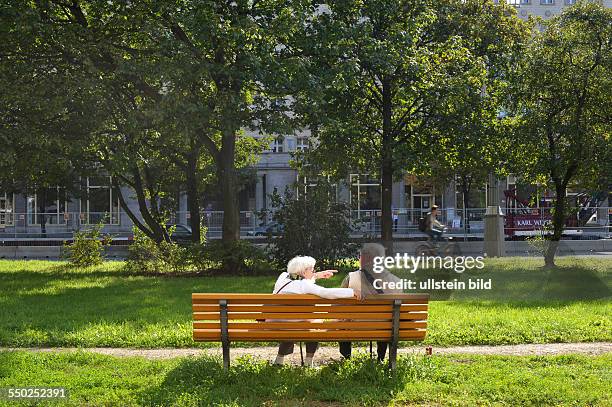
235	258
314	225
540	241
87	247
147	256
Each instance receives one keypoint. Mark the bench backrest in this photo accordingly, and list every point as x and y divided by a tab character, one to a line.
269	317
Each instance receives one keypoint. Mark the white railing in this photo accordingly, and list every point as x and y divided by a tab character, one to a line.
590	222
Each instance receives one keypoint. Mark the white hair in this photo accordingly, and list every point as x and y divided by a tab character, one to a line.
369	252
299	264
373	250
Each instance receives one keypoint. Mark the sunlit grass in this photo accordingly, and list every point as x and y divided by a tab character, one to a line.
460	380
50	304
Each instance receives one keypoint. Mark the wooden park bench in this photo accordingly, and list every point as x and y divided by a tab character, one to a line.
226	317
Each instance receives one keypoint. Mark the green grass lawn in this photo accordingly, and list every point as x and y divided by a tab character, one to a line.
49	304
92	379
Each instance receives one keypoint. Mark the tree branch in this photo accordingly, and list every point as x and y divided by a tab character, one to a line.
129	212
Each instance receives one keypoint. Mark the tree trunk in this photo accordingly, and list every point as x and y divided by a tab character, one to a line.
193	200
558	224
387	170
229	187
42	205
465	193
148	232
158	230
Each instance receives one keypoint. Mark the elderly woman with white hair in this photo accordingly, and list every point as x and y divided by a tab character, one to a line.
300	278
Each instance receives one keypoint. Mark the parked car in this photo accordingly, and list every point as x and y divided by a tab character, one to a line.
272	228
181	234
592	220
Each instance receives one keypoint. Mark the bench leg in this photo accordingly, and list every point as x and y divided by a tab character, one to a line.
395	335
225	342
392	356
226	355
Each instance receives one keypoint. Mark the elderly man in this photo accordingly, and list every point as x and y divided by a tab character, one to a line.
362	282
300	279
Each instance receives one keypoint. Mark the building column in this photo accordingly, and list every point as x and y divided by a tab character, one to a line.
182	208
260	193
493	184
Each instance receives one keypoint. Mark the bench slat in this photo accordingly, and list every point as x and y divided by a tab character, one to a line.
208	316
273	299
275	336
309	325
307	308
293	315
306	301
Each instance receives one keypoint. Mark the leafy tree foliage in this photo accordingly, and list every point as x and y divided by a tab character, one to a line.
172	86
469	131
314	225
385	76
562	105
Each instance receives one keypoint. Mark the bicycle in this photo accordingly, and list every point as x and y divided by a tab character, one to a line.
448	248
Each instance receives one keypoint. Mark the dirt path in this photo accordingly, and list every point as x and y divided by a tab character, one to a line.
327	353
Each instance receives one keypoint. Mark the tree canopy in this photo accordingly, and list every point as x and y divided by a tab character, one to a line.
397	86
167	89
562	108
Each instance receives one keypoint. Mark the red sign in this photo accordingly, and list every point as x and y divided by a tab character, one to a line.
526	222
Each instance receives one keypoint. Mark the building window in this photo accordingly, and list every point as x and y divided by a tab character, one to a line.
7	215
302	143
514	2
305	183
290	144
277	145
100	202
46	206
365	192
547	2
570	2
246	196
525	2
476	197
419	196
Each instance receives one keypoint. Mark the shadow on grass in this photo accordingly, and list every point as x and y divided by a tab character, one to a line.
540	287
127	296
567	284
57	309
65	300
250	382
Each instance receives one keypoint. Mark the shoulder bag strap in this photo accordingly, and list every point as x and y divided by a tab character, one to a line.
285	285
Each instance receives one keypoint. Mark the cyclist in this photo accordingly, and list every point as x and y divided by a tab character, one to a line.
435	229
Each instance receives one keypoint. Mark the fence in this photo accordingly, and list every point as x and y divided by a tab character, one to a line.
60	225
587	223
582	223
